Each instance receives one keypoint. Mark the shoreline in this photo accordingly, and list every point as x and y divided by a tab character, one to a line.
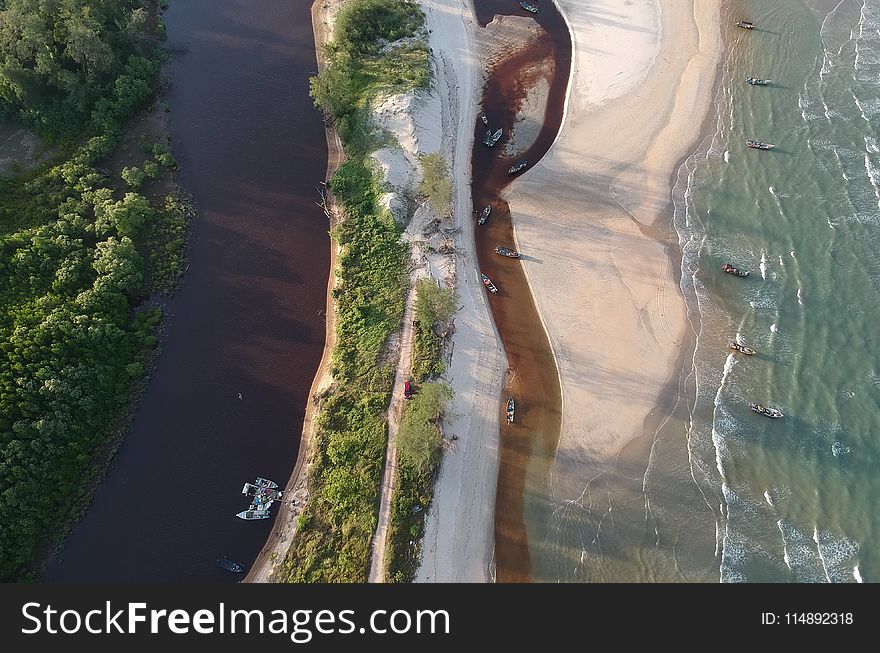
284	526
649	313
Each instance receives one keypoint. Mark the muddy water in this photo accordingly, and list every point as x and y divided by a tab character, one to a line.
528	444
245	332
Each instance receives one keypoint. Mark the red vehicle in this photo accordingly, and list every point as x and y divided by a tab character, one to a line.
407	389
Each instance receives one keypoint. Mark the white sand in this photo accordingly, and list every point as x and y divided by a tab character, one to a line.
458	544
603	283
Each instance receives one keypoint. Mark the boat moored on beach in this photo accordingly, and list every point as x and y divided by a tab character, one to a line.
531	7
748	351
264	493
492	137
488	283
265	482
510	409
745	24
759	145
520	165
754	81
730	269
504	251
484	214
773	413
484	118
230	565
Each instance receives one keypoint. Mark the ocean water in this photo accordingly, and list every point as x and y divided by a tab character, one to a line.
727	495
793	499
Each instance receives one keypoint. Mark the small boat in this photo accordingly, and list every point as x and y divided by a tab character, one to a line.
229	565
492	138
727	267
748	351
250	515
759	145
265	482
766	412
530	7
484	118
488	283
504	251
484	214
510	407
745	24
517	167
263	493
754	81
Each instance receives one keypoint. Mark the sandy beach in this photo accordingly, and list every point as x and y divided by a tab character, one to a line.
605	280
603	271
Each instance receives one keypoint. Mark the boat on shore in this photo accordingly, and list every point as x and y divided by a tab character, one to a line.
759	145
488	283
253	514
748	351
230	565
484	118
520	165
531	7
264	493
730	269
745	24
484	214
755	81
504	251
492	137
510	409
761	409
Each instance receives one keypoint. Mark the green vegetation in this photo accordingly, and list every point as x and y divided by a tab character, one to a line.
434	307
77	256
419	439
335	529
436	185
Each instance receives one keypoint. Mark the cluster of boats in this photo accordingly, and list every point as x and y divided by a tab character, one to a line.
263	494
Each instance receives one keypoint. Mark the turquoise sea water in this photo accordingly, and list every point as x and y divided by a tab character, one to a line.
794	499
728	495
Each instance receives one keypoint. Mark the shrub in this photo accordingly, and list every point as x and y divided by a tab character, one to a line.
134	177
436	185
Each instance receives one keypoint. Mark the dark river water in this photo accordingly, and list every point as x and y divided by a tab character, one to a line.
527	445
248	318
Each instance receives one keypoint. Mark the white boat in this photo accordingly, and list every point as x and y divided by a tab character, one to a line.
754	81
488	283
531	7
250	515
522	164
484	214
265	482
510	408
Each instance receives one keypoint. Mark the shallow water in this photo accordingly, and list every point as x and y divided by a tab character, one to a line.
729	495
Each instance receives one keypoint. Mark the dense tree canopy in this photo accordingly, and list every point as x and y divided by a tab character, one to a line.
77	254
58	57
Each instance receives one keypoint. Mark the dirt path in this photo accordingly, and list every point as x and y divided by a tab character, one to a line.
395	414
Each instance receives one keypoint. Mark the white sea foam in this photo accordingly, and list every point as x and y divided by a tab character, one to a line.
726	156
857	574
763	264
800	297
774	328
767	498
